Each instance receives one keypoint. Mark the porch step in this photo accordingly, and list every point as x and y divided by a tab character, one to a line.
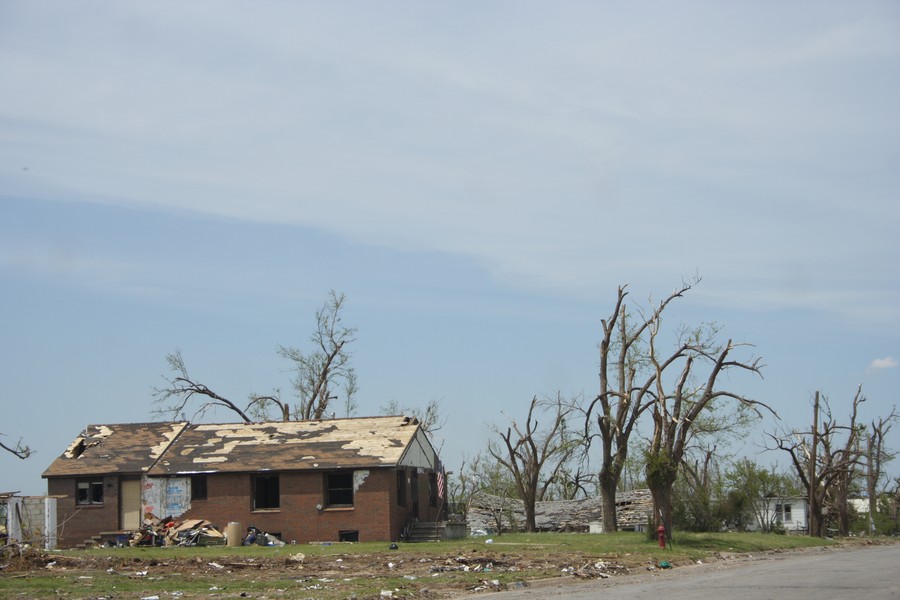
426	532
91	543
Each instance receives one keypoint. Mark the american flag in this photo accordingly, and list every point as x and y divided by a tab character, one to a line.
441	479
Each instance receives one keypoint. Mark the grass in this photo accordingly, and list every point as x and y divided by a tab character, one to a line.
182	572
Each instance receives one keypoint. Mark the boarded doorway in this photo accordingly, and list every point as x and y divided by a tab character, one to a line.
130	505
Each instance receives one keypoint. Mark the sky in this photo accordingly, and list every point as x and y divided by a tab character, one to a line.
477	177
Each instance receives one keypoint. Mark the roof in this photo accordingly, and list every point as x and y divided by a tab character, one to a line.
244	447
289	445
128	448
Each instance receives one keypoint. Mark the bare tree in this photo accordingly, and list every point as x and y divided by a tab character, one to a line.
19	450
678	413
823	463
533	456
327	366
876	455
575	479
431	418
182	389
462	488
317	374
625	390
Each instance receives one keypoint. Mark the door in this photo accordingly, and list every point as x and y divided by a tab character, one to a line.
130	504
414	493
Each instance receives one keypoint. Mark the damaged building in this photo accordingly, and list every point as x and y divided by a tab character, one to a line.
361	479
498	513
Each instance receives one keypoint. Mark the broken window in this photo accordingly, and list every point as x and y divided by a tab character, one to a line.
339	489
401	487
198	487
89	491
265	492
786	511
348	536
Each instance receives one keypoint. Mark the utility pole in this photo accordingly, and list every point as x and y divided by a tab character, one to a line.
813	484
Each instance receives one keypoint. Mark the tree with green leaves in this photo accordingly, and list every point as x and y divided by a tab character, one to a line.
759	487
877	453
681	406
319	373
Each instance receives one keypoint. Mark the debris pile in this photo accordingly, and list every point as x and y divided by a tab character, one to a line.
596	570
168	532
487	512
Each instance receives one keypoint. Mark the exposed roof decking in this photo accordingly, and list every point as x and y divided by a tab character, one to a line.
126	448
290	445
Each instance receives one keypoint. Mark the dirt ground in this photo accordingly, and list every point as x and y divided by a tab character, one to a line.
432	576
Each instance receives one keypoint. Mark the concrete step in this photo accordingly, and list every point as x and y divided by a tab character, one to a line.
426	532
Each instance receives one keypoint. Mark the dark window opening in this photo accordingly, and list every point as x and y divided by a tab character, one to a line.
339	489
401	487
198	487
348	536
89	492
432	489
265	492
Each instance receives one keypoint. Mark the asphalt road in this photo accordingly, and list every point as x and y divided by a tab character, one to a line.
861	574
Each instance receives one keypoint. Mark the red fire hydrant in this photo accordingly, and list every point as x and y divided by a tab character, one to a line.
661	532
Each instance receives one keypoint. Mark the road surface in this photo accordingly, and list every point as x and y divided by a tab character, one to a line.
871	573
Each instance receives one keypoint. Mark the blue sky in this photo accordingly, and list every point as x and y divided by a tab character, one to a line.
477	177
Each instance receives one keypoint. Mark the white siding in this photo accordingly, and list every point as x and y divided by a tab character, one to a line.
420	453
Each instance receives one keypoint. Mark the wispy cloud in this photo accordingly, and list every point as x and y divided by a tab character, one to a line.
888	362
600	163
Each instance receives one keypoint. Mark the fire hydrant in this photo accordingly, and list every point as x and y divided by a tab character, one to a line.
661	532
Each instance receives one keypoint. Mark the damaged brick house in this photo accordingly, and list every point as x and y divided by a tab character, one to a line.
360	479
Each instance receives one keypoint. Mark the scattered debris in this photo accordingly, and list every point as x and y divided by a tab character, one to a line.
168	532
558	515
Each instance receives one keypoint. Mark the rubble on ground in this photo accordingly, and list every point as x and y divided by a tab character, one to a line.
487	510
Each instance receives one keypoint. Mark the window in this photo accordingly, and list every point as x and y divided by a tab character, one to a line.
89	491
198	487
265	492
782	513
401	487
339	489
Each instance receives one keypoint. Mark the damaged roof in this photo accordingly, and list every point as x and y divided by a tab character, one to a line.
160	449
289	445
126	448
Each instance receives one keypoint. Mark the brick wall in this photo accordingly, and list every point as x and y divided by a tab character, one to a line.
76	523
375	515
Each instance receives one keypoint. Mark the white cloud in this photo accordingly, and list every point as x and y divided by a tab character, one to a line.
888	362
628	153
